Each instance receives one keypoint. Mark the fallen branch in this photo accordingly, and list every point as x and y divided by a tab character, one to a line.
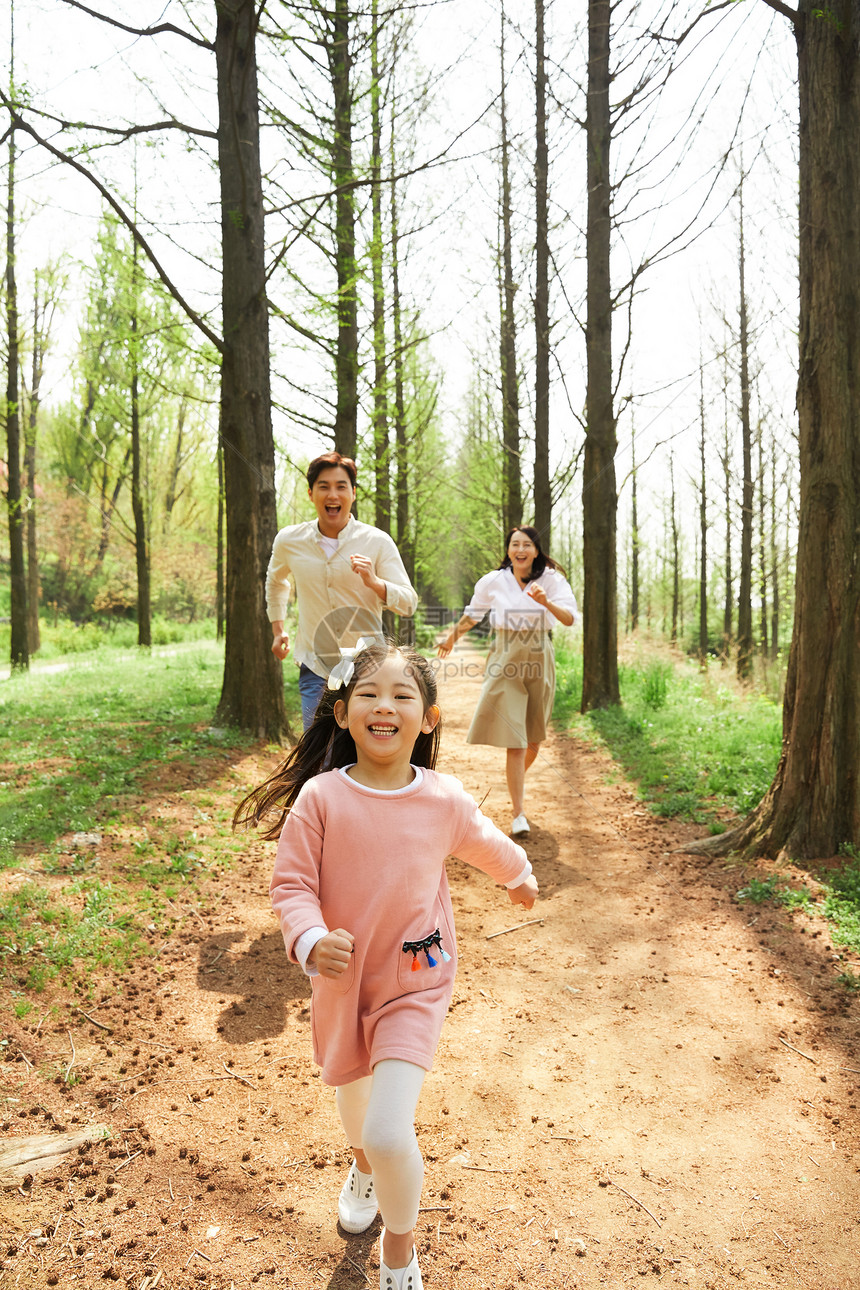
74	1058
797	1050
235	1076
637	1202
361	1272
128	1160
515	928
20	1156
484	1169
109	1029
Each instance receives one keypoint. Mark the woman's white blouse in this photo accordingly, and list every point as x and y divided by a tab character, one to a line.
510	606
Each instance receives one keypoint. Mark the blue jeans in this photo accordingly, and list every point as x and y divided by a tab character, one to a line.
311	687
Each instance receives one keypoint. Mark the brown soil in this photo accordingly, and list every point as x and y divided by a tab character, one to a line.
650	1084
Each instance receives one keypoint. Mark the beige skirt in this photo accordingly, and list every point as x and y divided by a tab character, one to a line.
519	688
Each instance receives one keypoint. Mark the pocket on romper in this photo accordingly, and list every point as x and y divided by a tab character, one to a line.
432	949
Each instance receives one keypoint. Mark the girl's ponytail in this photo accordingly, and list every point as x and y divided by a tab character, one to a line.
323	746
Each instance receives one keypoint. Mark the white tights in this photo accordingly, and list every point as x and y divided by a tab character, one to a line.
378	1115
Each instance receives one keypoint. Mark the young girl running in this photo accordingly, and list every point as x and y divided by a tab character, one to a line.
365	824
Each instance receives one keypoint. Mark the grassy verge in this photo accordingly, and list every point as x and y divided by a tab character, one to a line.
82	751
696	748
702	751
837	899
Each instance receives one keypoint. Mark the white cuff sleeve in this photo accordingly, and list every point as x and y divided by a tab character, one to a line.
305	944
515	882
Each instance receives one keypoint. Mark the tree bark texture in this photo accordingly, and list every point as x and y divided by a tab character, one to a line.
401	438
141	544
512	501
703	527
745	637
381	445
813	804
19	653
634	538
252	694
38	361
346	356
542	494
599	497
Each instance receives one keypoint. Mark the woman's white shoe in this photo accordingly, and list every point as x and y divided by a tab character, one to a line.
356	1204
408	1278
520	827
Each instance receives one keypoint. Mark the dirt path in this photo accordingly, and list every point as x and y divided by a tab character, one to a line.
652	1084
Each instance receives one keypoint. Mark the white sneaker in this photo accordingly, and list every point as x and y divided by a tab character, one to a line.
520	827
356	1204
408	1278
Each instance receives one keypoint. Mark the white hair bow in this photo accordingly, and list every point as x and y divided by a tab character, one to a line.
341	673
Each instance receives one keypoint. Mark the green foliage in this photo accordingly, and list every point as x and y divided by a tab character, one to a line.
839	902
131	330
40	936
655	684
72	752
695	747
841	905
759	890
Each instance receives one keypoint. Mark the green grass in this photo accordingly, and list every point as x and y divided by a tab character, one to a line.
73	744
838	903
694	747
697	749
75	747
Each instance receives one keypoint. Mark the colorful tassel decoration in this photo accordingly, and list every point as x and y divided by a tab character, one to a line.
431	962
445	955
416	966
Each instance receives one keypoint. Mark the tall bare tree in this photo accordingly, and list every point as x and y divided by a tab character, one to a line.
599	495
745	634
541	489
703	523
20	644
512	500
379	416
813	804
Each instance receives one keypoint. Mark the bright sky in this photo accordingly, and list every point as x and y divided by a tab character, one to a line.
78	68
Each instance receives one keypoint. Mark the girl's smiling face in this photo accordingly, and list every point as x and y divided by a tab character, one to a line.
522	553
385	714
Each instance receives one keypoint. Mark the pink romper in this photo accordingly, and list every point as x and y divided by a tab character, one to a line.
374	864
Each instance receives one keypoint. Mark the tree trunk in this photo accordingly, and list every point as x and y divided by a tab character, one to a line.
634	538
774	558
512	500
346	357
745	640
728	603
599	498
171	493
381	447
673	528
813	804
141	545
401	444
33	632
252	694
703	526
542	494
762	544
219	545
19	653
